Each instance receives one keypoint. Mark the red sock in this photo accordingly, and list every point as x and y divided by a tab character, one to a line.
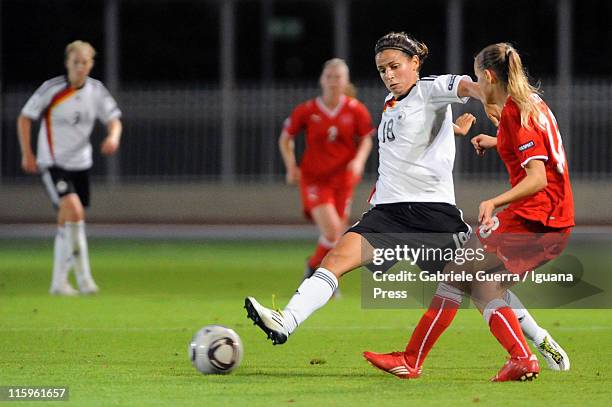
506	328
317	257
436	319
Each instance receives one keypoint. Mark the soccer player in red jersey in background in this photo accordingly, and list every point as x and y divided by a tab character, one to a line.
531	231
338	142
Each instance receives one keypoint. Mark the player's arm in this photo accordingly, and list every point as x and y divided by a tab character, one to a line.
462	125
483	142
287	149
357	164
534	182
24	132
113	137
468	88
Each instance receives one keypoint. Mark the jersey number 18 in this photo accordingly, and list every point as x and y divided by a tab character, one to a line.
387	133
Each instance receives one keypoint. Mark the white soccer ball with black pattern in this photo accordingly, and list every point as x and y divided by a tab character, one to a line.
215	349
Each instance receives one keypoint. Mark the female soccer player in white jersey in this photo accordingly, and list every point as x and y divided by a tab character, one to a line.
414	194
414	191
69	106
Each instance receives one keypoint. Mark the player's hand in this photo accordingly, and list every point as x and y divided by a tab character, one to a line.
109	146
28	163
485	214
493	113
356	167
482	143
293	175
464	123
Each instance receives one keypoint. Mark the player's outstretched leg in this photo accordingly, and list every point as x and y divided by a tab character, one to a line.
556	358
312	294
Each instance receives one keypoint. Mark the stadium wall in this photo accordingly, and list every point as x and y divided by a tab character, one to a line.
247	203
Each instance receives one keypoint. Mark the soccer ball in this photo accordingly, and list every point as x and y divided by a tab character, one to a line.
215	349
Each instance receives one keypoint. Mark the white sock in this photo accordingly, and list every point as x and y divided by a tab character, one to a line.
312	294
530	327
491	307
62	258
82	271
449	292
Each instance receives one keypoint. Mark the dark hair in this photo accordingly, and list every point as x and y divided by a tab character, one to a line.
403	42
504	60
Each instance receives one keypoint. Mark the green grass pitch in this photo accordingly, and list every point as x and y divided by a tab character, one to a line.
128	345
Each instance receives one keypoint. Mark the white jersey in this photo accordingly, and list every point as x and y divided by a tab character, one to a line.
68	116
416	145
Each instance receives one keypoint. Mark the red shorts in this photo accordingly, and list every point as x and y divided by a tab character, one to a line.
337	191
521	244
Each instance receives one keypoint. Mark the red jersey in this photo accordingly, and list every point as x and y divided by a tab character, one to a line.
332	136
553	206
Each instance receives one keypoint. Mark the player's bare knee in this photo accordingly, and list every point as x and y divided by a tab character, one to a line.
71	208
335	232
332	238
335	262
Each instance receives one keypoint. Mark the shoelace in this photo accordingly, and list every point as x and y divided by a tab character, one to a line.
274	306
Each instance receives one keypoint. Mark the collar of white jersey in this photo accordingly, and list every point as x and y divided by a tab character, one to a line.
402	97
330	112
392	100
68	84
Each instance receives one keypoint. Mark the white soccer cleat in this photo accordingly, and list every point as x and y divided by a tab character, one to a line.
270	321
89	288
553	354
65	289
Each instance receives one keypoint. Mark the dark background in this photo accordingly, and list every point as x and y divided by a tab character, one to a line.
178	41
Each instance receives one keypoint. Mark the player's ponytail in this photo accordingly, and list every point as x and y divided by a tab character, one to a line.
403	42
519	87
506	63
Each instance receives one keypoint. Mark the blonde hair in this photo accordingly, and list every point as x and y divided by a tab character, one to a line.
336	62
79	45
350	89
504	60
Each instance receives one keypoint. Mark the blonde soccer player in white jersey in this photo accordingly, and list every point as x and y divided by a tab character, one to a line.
68	106
413	201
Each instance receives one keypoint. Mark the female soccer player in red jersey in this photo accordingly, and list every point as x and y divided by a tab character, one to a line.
338	142
532	230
